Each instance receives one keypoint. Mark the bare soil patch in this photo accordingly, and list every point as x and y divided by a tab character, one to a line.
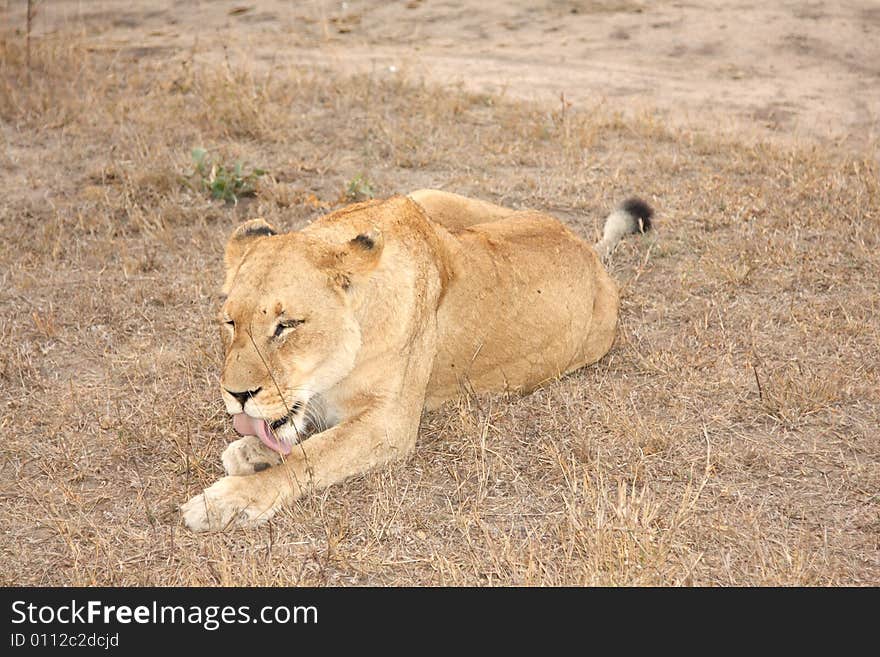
788	70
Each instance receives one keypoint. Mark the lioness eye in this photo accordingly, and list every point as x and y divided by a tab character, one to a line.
229	322
287	324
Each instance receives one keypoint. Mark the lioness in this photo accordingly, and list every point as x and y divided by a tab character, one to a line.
338	335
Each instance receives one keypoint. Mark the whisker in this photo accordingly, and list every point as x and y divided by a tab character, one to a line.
317	417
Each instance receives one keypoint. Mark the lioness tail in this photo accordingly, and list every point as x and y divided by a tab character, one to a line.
633	216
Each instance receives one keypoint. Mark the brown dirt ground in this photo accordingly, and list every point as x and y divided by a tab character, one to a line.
730	437
783	70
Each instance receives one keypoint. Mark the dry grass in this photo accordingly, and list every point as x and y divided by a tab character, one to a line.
730	437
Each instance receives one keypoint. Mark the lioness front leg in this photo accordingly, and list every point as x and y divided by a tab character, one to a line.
248	455
350	448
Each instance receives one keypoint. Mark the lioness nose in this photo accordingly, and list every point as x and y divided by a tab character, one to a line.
242	397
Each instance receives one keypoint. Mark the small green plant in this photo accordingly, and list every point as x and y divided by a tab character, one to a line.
222	181
359	188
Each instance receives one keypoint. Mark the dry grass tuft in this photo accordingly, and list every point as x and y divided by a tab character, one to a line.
729	438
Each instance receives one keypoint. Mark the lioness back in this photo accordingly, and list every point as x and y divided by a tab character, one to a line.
528	301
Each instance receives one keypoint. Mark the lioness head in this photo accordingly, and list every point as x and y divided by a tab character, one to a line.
288	325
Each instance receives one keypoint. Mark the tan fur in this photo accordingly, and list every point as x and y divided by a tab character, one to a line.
441	294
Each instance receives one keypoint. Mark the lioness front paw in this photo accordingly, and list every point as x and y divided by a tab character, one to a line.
248	455
229	502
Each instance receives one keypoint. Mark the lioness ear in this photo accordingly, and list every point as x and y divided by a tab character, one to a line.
357	258
241	239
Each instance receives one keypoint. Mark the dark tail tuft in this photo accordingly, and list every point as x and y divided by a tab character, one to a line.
641	212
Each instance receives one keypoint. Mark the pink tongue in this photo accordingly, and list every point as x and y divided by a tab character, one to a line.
249	426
